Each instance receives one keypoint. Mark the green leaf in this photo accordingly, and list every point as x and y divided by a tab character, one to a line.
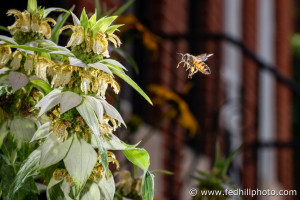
59	23
107	12
131	82
89	116
112	29
90	191
53	151
84	21
123	8
80	162
8	39
107	187
161	171
113	143
204	174
64	53
114	63
103	23
41	85
148	186
139	157
30	48
41	132
32	6
229	160
30	165
93	19
7	174
3	28
98	9
49	10
3	131
76	21
128	58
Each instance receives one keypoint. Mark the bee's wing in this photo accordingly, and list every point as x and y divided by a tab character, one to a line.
203	57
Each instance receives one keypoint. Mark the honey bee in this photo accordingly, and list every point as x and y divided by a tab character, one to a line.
195	63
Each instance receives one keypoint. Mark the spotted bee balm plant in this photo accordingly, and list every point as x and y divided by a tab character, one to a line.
55	98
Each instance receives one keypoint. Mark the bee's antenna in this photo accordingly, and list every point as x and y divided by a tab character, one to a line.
180	54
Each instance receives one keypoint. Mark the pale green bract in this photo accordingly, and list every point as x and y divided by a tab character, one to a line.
90	191
17	80
67	101
107	187
88	114
53	150
41	132
80	162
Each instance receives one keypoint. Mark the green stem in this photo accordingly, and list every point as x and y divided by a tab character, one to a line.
2	28
135	171
13	159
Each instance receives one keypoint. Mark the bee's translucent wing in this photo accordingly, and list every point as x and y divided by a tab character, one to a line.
203	57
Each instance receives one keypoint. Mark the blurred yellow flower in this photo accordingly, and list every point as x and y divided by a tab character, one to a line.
150	40
186	118
129	186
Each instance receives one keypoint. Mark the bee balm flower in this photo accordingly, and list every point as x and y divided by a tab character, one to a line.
29	23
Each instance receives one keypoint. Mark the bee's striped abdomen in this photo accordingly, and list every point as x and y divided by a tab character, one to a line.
202	67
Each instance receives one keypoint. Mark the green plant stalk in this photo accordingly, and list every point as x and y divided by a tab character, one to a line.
13	158
135	171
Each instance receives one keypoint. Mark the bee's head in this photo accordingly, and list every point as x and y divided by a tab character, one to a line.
184	56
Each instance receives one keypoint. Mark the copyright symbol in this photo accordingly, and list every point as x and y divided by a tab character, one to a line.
193	192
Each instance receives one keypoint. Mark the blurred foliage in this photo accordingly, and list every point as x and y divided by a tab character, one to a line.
127	186
216	179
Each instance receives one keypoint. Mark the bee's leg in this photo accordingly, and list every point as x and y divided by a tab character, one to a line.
188	67
179	63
